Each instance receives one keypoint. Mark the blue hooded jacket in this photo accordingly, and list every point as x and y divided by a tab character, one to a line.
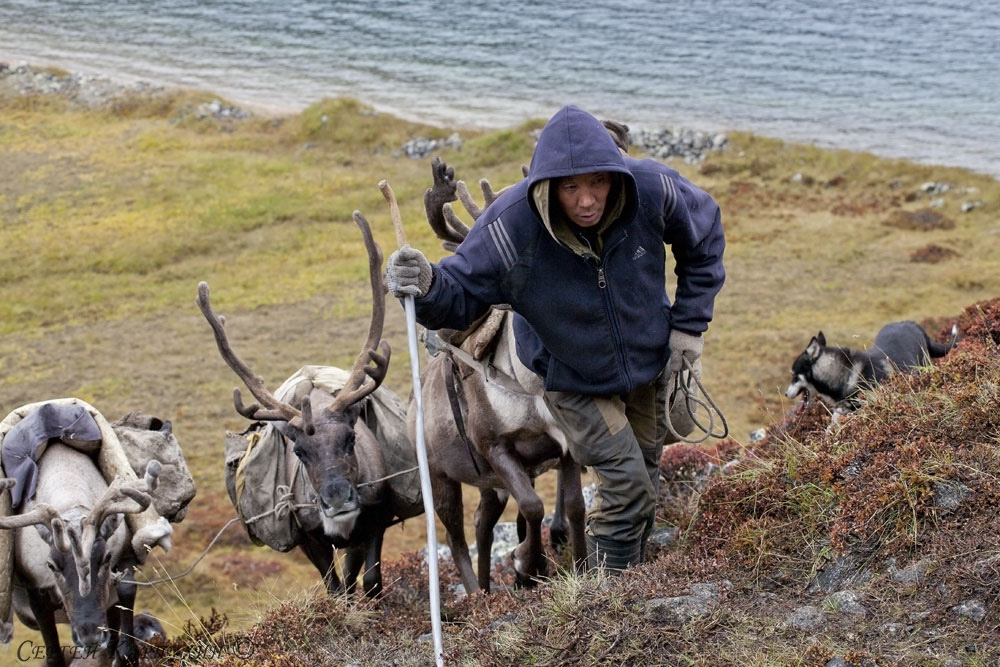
593	321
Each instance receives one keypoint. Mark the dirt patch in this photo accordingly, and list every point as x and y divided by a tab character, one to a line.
923	220
932	254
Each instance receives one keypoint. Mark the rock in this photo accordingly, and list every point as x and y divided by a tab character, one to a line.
912	574
949	495
970	206
971	609
841	572
661	539
420	147
847	603
758	435
806	618
703	599
504	541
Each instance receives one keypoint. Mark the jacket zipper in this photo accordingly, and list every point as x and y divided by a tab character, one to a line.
609	309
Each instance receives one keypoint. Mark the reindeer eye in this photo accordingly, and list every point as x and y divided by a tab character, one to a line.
52	566
299	452
349	442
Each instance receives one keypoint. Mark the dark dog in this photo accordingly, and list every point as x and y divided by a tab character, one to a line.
837	374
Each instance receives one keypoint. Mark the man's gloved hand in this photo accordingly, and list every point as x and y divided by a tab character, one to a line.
685	345
408	273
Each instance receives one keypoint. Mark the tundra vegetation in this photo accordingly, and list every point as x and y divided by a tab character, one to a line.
111	215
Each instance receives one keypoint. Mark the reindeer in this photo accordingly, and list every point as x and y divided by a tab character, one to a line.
344	464
73	554
503	436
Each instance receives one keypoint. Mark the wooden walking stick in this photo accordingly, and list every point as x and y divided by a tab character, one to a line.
425	475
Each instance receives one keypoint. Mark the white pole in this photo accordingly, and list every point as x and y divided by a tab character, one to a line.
425	474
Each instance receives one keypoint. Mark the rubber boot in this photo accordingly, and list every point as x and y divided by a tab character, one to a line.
613	556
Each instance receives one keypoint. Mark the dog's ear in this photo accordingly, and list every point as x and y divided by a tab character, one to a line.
816	346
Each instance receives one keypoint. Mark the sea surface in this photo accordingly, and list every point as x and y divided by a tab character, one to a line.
916	80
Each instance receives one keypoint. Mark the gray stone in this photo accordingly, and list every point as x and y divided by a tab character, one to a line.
704	599
949	495
806	618
893	629
663	537
839	573
847	602
971	609
911	574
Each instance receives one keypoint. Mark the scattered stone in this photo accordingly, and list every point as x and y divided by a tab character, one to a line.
912	574
949	495
688	144
703	599
758	435
935	187
504	542
661	539
421	147
846	602
893	629
806	618
988	567
970	205
937	203
971	609
840	573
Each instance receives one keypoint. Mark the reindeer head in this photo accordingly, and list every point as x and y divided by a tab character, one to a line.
82	552
323	432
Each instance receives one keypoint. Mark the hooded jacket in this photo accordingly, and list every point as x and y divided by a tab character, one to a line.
588	320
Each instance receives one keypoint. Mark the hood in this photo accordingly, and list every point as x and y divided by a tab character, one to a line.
575	142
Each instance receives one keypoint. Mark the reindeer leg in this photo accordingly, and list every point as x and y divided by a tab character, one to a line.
558	532
354	559
491	506
571	494
45	617
448	507
529	559
320	554
372	577
123	634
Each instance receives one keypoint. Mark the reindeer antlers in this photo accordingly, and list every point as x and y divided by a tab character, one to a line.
40	513
441	216
356	387
276	410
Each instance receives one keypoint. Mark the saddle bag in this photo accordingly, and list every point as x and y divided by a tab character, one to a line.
256	479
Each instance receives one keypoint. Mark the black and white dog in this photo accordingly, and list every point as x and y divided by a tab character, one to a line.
836	374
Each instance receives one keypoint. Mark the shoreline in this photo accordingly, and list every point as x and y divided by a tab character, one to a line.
91	88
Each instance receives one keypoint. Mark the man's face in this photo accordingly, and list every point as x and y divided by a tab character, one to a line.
583	197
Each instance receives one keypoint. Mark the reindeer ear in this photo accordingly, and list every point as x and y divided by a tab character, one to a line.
307	418
353	411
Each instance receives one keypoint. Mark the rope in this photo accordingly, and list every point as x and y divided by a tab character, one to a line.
382	479
684	388
190	569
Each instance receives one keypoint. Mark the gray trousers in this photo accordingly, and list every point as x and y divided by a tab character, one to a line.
621	438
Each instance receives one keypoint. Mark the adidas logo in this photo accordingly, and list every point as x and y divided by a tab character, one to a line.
639	252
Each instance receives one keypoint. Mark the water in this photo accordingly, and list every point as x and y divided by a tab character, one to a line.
918	80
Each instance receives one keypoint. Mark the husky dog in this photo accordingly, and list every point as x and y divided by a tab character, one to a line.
836	374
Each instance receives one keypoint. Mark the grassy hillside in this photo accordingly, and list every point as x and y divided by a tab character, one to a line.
111	215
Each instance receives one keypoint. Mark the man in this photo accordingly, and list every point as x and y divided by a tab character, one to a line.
577	249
